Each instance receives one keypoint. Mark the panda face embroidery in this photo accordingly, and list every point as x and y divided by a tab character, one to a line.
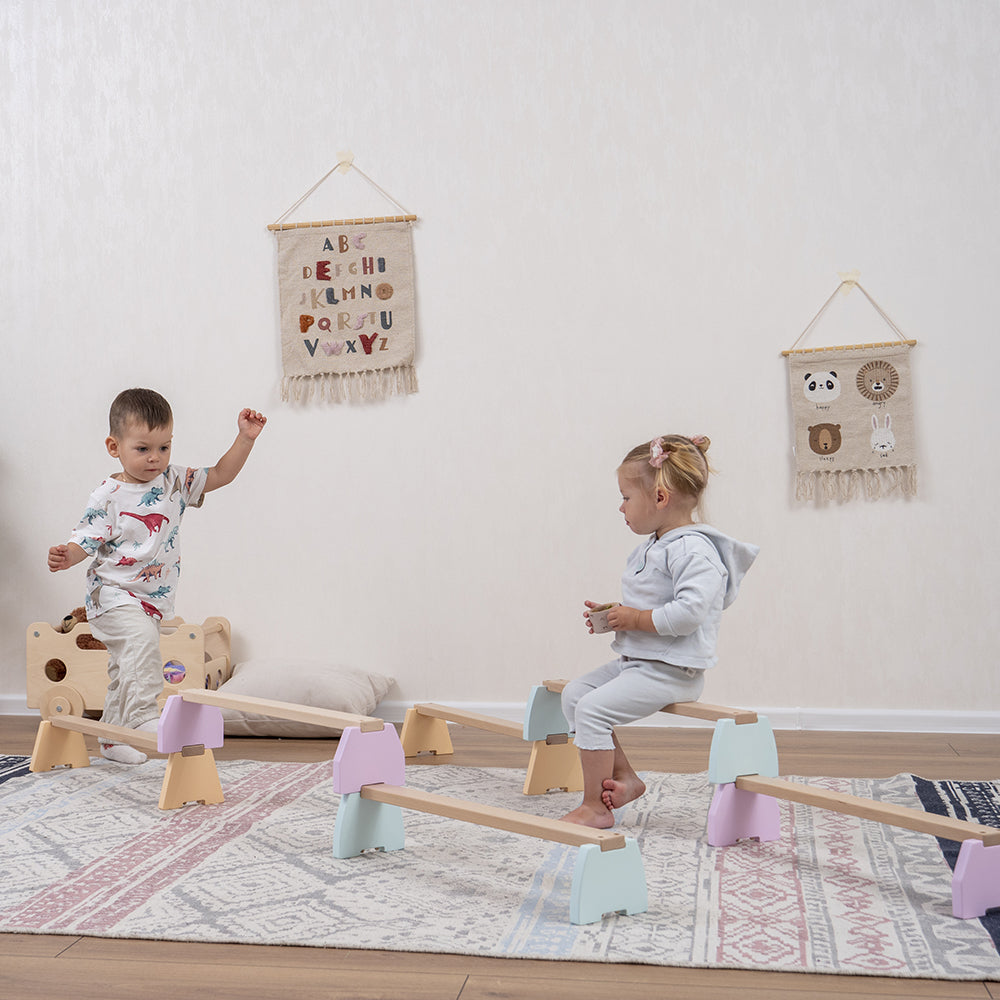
877	380
821	387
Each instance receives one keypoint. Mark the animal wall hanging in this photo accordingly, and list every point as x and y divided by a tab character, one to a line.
852	415
346	297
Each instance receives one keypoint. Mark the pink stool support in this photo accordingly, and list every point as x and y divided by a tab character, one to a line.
368	759
738	815
975	886
185	724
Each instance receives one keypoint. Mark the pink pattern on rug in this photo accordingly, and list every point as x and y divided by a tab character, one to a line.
156	859
761	895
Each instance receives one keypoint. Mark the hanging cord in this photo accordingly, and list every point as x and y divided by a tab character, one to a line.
851	283
344	163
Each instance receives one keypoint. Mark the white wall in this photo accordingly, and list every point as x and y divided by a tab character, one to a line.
627	210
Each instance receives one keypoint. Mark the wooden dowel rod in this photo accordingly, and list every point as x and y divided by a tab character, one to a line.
282	710
486	722
850	347
881	812
367	221
500	819
133	737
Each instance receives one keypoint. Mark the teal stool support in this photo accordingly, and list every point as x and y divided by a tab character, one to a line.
364	825
746	749
607	882
543	716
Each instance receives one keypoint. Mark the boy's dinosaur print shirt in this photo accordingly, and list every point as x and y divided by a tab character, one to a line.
133	532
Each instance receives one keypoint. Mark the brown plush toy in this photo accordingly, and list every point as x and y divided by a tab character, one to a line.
71	620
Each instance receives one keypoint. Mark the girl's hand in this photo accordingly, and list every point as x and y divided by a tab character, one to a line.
589	605
251	423
623	619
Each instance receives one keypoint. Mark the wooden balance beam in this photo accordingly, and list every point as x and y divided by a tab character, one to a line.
691	709
369	775
283	710
500	819
185	735
946	827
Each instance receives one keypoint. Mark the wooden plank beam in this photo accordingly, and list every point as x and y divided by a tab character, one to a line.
146	742
282	710
500	819
880	812
690	709
489	723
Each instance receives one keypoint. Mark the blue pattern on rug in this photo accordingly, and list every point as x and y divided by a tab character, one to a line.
975	801
13	767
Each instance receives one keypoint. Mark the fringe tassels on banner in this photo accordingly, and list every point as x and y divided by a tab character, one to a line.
350	387
850	484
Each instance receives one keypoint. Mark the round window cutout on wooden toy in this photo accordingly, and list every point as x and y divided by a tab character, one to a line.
174	671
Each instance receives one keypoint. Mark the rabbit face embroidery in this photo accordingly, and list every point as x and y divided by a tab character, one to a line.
883	440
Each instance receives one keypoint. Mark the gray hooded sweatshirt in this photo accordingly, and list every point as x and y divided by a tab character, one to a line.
686	577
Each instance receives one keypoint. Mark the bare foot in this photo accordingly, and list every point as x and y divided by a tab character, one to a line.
618	793
584	815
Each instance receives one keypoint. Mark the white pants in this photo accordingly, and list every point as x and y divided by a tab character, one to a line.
135	668
623	691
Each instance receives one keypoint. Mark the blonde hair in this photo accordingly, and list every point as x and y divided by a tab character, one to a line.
674	463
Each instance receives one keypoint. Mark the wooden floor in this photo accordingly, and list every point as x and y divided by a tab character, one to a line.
34	967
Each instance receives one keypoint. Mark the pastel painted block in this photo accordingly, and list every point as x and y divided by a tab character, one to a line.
364	825
736	815
975	887
370	758
607	882
187	724
543	716
742	749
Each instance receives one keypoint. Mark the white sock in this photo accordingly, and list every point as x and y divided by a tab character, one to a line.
121	753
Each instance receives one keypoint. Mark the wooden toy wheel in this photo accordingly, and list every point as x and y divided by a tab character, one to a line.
61	700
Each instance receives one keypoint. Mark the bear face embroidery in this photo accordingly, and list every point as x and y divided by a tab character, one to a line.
877	380
821	387
824	439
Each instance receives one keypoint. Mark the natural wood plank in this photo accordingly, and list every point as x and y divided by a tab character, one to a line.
500	819
880	812
283	710
133	737
487	723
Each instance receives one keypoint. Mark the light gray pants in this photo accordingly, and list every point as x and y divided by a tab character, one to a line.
135	668
623	691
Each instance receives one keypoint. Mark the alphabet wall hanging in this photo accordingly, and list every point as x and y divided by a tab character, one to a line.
346	296
852	414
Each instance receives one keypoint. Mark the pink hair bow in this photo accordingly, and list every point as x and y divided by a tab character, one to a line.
657	453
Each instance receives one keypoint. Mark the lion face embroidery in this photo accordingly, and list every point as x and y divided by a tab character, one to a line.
877	381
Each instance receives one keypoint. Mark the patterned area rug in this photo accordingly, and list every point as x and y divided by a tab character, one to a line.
88	852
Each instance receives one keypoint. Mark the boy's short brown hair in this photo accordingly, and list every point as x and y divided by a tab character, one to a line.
143	406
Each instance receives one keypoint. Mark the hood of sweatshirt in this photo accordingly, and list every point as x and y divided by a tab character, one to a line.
736	556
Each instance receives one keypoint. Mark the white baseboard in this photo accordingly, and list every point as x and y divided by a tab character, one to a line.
817	719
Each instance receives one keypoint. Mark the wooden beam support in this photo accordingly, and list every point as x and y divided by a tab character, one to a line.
881	812
283	710
500	819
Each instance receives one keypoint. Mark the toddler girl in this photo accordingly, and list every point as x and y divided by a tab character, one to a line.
675	585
